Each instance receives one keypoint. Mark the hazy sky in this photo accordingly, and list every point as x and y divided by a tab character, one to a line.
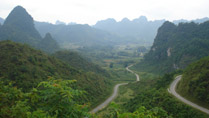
90	11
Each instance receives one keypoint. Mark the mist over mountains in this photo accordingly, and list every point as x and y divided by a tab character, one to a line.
105	32
140	28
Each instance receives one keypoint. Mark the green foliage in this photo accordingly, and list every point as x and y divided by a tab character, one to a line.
141	112
58	99
12	104
176	47
195	81
50	99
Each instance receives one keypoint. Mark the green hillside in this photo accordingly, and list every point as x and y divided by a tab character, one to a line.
195	81
79	62
27	67
151	92
176	46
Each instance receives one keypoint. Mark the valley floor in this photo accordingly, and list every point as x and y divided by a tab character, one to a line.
115	93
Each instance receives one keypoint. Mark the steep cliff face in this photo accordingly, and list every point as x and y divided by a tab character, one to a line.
175	47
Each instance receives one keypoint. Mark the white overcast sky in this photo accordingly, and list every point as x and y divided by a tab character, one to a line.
90	11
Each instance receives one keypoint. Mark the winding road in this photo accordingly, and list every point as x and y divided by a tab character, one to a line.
115	92
172	90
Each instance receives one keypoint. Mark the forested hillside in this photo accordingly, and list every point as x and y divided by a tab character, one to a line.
77	61
27	67
195	81
19	27
176	46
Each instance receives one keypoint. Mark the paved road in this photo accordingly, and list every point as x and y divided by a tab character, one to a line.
137	76
172	90
115	92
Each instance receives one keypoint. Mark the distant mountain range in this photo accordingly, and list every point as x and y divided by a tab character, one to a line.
77	35
139	29
105	32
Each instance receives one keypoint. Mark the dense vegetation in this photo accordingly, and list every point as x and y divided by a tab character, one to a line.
195	81
19	27
49	99
176	46
27	67
56	99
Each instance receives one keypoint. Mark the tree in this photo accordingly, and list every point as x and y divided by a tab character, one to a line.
111	65
50	99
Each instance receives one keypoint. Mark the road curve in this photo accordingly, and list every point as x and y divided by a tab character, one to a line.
115	92
137	76
172	90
